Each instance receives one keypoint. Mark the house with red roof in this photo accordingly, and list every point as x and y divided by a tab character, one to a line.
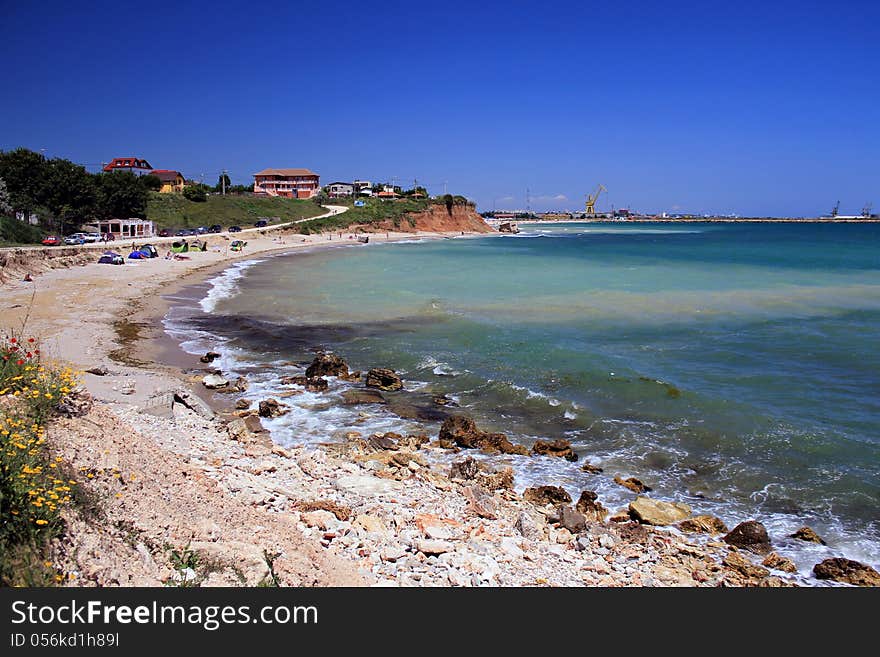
290	183
135	165
172	181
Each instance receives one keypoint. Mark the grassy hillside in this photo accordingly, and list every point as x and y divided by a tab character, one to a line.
13	232
375	211
174	211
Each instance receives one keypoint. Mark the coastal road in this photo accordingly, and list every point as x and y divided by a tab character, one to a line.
332	210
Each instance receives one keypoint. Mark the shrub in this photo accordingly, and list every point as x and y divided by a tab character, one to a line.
33	486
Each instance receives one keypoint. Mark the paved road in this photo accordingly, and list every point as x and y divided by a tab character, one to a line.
331	211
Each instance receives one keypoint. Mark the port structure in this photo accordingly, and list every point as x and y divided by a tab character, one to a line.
592	198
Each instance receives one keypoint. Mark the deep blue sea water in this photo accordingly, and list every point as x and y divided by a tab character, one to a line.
731	366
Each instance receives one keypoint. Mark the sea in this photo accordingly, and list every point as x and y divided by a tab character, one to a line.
731	366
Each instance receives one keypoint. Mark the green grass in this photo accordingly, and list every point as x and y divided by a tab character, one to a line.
174	211
374	212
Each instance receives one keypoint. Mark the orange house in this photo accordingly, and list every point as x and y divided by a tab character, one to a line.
290	183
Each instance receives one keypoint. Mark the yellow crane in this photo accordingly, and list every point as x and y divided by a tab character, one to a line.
592	198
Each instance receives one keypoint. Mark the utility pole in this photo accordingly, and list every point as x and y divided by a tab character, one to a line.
444	187
223	181
528	203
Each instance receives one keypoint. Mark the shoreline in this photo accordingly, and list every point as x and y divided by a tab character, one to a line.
464	534
716	220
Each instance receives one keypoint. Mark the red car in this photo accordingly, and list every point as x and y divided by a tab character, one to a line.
51	240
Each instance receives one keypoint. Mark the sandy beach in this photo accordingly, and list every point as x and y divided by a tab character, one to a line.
175	476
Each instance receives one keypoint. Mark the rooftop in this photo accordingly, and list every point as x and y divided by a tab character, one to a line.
285	172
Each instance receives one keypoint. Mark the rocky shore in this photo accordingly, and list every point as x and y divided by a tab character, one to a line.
188	494
420	510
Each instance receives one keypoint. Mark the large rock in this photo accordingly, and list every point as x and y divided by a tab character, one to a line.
655	512
544	495
531	527
326	364
778	562
214	381
633	484
573	521
560	448
209	357
847	571
253	424
469	469
703	525
271	408
383	379
462	431
750	535
412	442
739	564
807	534
363	397
310	383
589	505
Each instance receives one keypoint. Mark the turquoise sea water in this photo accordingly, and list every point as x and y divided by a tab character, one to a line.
731	366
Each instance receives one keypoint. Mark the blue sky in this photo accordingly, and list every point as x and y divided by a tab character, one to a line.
749	107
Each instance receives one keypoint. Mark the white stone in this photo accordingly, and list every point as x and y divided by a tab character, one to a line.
510	547
429	547
606	541
212	381
368	486
439	532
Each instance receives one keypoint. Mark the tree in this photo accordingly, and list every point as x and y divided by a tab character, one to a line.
197	193
69	193
121	195
24	173
5	205
220	182
321	198
151	182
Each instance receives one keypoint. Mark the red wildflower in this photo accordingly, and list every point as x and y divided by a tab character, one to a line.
31	340
19	362
13	348
36	351
29	355
13	340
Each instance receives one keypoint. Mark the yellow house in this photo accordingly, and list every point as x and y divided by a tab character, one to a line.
172	181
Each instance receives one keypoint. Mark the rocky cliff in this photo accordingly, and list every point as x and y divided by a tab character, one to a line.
437	219
16	263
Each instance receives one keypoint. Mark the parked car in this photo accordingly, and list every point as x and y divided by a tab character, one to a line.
75	238
260	223
201	230
165	232
235	229
216	228
183	232
51	240
92	238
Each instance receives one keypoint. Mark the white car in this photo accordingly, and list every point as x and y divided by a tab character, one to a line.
92	237
75	238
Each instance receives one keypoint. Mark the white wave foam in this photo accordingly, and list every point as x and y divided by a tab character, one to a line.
225	285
